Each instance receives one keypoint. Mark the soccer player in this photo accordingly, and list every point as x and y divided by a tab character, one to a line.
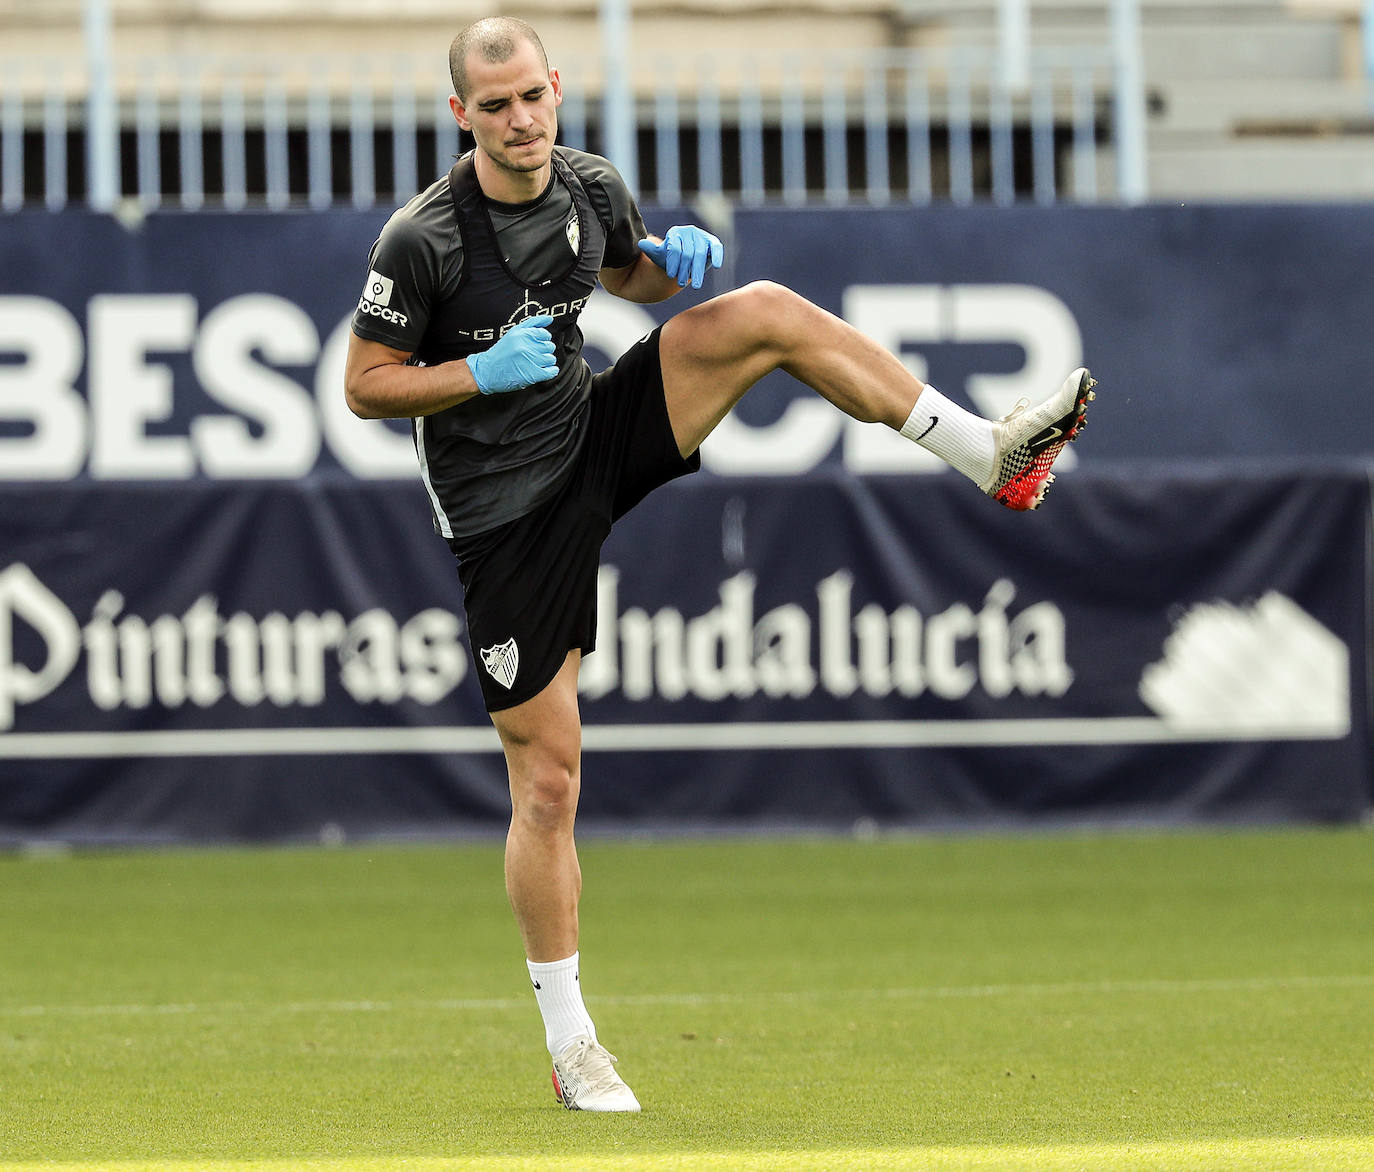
468	326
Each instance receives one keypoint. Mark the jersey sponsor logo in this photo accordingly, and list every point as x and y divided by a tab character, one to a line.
376	299
573	230
378	289
374	310
502	662
530	306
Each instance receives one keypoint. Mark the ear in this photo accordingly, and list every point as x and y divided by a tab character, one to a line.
459	111
556	84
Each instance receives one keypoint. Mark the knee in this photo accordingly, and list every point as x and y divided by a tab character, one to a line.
773	302
776	314
544	793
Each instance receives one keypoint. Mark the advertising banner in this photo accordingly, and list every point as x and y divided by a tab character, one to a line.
1212	328
272	661
211	346
223	614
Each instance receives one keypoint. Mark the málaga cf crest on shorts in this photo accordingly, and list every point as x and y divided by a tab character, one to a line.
502	662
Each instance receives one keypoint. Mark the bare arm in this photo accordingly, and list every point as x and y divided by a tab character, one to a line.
640	281
379	385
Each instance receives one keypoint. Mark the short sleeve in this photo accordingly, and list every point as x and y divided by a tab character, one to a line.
401	286
617	209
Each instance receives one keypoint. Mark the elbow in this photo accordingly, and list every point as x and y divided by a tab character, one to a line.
357	404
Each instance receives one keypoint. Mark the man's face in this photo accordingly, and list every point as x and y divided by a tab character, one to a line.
510	109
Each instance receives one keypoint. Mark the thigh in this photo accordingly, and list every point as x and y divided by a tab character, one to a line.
530	598
714	352
543	730
629	449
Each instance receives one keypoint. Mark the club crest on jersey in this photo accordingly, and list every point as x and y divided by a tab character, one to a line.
502	662
574	233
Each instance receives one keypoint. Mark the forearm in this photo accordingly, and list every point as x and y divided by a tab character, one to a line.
394	390
643	282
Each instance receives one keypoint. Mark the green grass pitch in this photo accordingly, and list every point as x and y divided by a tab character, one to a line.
1069	1001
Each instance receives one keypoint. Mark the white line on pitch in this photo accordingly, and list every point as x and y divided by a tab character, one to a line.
934	992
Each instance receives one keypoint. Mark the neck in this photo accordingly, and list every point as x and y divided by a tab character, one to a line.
506	186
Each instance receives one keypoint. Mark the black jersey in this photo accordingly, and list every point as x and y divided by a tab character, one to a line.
450	273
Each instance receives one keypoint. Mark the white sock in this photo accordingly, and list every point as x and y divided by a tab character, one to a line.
559	993
960	438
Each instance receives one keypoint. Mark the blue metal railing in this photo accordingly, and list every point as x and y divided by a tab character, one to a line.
1367	29
881	126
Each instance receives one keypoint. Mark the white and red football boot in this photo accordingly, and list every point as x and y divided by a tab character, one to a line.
1029	439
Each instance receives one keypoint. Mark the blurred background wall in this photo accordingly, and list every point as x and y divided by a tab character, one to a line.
1239	99
222	613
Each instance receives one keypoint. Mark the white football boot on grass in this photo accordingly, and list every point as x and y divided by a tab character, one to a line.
584	1079
1029	439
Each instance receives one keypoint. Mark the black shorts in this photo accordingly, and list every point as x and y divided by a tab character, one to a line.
530	585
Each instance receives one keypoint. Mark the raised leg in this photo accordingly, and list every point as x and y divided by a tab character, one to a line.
714	352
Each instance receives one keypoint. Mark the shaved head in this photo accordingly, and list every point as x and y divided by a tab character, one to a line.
496	38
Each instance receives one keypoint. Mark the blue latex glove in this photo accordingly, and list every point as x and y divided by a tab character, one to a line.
685	253
524	355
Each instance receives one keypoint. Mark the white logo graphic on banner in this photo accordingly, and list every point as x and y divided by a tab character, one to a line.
502	662
733	650
907	319
1262	671
23	597
1267	666
201	656
252	417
